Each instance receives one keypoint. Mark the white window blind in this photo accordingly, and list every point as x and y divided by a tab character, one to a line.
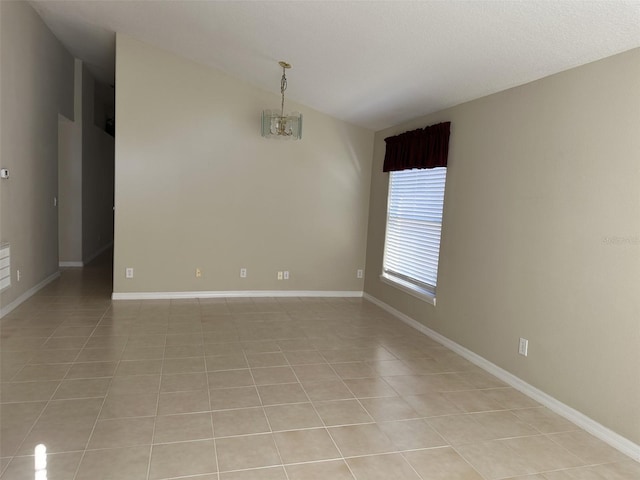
414	223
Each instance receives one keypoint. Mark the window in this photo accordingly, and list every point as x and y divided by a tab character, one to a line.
414	223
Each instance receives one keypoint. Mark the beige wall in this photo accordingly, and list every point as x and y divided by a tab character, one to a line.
36	85
198	187
70	179
541	236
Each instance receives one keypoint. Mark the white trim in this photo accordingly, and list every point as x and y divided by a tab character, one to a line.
70	264
598	430
228	294
406	287
97	253
29	293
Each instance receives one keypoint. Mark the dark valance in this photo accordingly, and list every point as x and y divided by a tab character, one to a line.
423	148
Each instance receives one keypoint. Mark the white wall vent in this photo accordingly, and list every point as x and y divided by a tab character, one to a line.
5	266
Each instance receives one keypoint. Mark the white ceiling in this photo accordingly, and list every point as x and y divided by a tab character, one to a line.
371	63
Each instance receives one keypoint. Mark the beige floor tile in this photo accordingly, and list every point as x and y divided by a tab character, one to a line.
510	398
183	402
92	370
62	437
543	454
82	388
273	375
544	420
315	373
251	451
143	336
587	447
388	408
370	387
271	473
132	405
432	404
382	467
228	398
495	460
133	352
226	362
183	382
460	429
122	432
325	377
64	342
282	393
260	347
353	370
135	384
621	470
227	348
441	464
304	357
503	424
230	378
54	356
179	339
473	401
182	459
358	440
274	359
342	412
27	391
292	416
130	463
391	368
305	445
60	466
327	390
139	367
183	365
330	469
34	373
71	411
412	434
112	354
182	428
243	421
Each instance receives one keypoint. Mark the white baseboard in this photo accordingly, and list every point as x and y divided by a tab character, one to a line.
598	430
233	294
29	293
70	264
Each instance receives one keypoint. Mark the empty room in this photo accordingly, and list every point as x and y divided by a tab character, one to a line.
299	240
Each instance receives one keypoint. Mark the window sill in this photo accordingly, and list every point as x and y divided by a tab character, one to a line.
412	290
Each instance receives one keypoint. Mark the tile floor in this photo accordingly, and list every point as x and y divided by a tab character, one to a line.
251	389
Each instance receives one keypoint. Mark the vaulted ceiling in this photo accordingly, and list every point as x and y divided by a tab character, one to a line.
371	63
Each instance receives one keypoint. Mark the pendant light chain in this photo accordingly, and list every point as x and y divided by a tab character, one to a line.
283	87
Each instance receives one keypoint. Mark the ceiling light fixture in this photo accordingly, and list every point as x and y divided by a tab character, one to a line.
277	124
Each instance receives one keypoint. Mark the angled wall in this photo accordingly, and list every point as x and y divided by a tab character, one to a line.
198	187
36	85
541	236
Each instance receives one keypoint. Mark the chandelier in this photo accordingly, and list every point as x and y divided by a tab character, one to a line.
277	124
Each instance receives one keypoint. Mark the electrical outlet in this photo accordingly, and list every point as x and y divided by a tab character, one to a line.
55	201
523	347
279	275
18	275
360	273
243	273
286	275
128	273
198	273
